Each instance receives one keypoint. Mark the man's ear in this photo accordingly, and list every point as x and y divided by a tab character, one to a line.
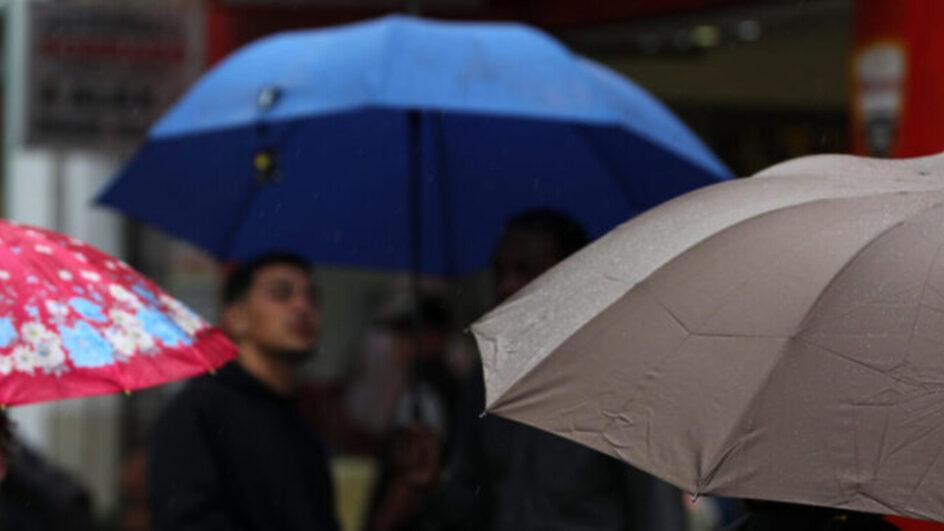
235	321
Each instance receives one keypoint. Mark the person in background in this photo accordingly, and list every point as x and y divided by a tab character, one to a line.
509	476
506	476
134	513
422	423
231	450
35	495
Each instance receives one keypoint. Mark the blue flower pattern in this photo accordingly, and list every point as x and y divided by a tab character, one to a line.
88	309
147	294
163	328
86	346
7	332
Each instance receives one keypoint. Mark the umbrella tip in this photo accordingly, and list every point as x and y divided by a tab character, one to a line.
212	372
127	392
483	413
695	497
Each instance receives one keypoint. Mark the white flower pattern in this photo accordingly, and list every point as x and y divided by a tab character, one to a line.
65	306
189	321
57	310
120	294
24	359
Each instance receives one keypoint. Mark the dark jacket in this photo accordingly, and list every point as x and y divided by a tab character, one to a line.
38	496
775	516
228	454
509	476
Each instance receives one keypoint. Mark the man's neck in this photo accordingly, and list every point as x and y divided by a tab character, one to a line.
278	375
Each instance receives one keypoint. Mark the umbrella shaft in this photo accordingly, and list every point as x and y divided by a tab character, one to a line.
415	169
415	154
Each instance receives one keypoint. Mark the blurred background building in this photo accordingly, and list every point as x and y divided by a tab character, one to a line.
760	81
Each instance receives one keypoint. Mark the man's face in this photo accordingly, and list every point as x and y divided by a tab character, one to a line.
279	315
521	257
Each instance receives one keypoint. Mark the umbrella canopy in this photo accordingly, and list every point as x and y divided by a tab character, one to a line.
77	322
403	144
780	337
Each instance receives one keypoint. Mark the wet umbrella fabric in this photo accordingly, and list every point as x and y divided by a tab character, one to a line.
778	337
403	144
76	322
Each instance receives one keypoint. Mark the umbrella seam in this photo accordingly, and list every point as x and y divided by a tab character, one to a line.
803	326
924	291
729	445
768	213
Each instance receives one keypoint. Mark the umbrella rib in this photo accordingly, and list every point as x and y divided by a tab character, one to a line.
884	505
860	363
749	219
751	404
924	291
918	437
652	293
804	323
729	446
924	475
810	201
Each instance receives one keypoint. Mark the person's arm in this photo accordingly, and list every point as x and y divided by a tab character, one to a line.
185	485
411	473
465	499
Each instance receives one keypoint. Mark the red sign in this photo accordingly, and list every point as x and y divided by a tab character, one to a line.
898	85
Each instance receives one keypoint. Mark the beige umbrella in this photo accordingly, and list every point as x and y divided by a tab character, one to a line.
779	337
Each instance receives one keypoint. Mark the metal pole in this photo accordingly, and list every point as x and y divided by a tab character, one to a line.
16	33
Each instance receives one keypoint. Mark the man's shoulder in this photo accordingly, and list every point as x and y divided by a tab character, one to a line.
202	394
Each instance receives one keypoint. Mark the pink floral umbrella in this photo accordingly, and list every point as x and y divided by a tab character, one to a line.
75	322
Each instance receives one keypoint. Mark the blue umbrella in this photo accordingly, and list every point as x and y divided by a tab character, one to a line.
403	144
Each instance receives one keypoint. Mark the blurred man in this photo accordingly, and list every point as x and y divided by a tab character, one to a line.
231	451
509	476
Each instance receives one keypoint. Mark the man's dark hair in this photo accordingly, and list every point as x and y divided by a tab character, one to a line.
239	281
565	230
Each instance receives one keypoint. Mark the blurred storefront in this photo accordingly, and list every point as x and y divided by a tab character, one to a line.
760	81
82	83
